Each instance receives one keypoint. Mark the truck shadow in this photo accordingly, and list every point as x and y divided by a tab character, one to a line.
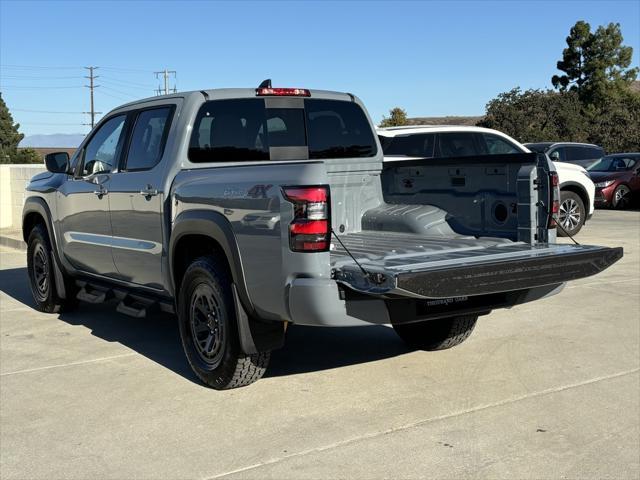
307	349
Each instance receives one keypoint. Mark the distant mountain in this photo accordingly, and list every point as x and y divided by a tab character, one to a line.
451	120
66	140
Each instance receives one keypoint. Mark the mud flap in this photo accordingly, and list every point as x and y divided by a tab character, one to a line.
256	335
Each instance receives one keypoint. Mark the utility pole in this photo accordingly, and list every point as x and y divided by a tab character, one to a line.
91	87
166	90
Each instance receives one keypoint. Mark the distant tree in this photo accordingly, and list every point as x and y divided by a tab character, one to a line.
538	115
533	115
397	117
595	64
10	137
616	123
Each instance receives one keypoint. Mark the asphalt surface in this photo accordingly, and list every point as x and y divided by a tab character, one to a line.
545	390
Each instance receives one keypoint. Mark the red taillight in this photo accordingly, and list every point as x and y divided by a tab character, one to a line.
554	199
310	229
282	92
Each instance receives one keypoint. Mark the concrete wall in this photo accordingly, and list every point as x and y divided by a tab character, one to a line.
13	179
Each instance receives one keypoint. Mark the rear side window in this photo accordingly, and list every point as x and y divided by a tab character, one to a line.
416	145
596	153
496	145
457	144
558	154
229	131
245	130
148	138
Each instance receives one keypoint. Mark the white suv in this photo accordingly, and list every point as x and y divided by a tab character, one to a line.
424	141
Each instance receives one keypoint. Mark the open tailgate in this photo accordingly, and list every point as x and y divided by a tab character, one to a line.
400	264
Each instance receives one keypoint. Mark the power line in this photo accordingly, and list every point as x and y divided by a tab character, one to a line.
111	89
32	77
122	69
127	82
117	97
37	67
39	87
43	111
110	82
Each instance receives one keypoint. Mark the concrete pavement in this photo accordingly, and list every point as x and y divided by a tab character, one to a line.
545	390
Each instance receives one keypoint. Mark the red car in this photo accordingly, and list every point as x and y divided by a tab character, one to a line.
617	179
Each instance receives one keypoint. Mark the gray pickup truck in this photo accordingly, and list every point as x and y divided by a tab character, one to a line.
244	210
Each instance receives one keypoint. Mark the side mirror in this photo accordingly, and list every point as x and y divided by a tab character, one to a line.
555	156
57	162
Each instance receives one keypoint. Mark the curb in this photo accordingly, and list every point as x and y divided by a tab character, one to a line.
13	243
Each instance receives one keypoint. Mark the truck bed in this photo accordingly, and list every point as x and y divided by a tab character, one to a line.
410	265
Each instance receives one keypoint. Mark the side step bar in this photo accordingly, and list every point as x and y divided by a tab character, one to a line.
132	304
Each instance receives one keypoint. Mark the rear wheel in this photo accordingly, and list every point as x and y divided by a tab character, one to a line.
571	215
621	197
41	274
437	334
209	331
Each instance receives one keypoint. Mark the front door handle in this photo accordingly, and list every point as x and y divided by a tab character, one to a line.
101	192
149	192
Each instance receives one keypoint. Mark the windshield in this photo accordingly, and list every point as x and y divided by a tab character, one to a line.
247	129
613	164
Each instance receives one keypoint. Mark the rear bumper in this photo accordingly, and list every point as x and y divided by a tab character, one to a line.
317	302
504	276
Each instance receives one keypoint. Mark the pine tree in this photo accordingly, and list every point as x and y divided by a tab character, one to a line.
10	137
397	117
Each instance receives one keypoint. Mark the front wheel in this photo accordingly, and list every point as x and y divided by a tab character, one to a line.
571	215
209	331
621	197
437	334
42	277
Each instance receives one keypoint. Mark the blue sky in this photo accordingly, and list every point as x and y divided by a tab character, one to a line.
432	58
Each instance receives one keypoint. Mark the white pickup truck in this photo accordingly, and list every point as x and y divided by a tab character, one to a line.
577	191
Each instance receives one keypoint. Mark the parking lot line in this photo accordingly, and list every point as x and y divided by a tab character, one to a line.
400	428
71	364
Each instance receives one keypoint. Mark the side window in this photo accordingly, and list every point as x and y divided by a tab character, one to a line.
148	138
456	144
580	153
418	145
497	145
101	153
596	153
230	130
558	154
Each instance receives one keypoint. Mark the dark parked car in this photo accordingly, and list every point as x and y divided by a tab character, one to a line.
617	179
583	154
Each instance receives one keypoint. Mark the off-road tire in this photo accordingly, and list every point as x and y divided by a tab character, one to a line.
571	205
40	262
231	368
438	334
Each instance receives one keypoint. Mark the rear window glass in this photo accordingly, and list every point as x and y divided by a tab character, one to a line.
244	130
416	145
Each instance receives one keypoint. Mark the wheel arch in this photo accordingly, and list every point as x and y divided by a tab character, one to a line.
580	191
36	211
198	232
